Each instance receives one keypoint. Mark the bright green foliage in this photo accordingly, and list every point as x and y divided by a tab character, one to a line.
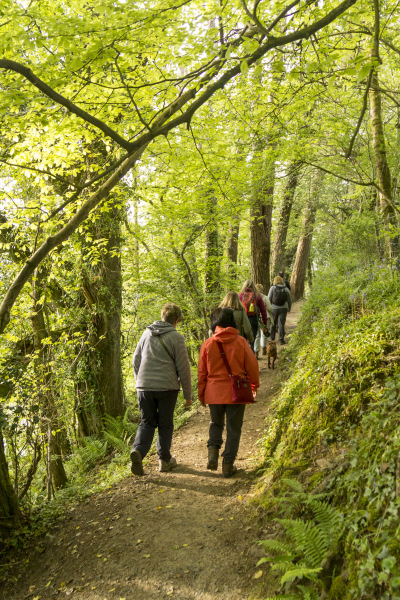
341	402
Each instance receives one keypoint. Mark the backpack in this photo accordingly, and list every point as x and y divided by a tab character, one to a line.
279	295
249	302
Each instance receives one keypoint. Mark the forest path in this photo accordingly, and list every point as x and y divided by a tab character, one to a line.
185	534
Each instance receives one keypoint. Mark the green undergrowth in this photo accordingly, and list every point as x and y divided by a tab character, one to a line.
335	433
97	465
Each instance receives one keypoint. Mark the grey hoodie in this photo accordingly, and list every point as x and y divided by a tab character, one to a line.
154	369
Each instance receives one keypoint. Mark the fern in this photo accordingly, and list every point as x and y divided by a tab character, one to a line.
306	545
294	484
119	431
299	572
275	545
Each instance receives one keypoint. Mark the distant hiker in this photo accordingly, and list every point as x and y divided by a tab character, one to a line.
254	306
160	364
232	301
281	301
261	339
215	387
282	274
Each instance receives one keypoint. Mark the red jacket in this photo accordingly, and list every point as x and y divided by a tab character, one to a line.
258	302
213	379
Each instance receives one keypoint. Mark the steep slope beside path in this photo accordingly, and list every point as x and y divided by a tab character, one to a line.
186	534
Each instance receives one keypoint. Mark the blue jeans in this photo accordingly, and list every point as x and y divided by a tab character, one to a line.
234	421
156	411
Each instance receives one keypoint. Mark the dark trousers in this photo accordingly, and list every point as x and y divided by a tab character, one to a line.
234	421
156	410
254	328
279	323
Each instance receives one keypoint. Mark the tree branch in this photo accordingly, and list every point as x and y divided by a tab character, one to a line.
361	183
361	117
63	234
11	65
160	127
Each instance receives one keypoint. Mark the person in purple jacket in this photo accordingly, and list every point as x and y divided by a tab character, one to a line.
254	306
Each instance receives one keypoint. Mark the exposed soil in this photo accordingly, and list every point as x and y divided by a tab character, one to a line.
185	534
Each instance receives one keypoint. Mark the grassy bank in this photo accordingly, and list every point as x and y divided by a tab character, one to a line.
331	489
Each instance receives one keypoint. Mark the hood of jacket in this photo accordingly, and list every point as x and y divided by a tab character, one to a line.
160	327
225	334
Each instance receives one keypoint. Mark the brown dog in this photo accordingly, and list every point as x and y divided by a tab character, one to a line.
271	353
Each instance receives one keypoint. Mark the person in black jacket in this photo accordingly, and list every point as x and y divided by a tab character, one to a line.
281	301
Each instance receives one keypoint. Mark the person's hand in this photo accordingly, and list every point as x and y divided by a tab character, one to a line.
188	403
203	403
254	394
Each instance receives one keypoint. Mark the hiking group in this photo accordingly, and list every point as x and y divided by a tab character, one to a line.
228	374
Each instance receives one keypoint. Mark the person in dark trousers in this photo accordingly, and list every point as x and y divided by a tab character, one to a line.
286	282
281	301
215	389
160	365
254	306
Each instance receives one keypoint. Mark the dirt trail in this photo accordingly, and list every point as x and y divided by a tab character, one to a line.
183	535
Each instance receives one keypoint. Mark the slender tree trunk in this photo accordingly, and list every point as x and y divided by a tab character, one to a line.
45	380
261	224
232	247
8	499
379	148
299	272
279	252
212	254
374	208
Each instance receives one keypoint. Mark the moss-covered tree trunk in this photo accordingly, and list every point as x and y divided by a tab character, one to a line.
297	281
260	226
8	499
279	252
99	383
390	223
382	169
45	382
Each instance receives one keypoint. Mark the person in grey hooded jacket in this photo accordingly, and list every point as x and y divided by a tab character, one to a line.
279	311
160	365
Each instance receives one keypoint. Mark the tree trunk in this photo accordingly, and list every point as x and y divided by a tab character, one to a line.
382	168
260	227
298	278
279	252
232	247
99	383
212	255
8	499
45	381
374	208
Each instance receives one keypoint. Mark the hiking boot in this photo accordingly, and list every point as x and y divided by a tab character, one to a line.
257	353
166	465
136	463
228	469
264	351
213	453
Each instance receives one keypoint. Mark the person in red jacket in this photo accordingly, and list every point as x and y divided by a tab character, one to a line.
215	388
254	306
